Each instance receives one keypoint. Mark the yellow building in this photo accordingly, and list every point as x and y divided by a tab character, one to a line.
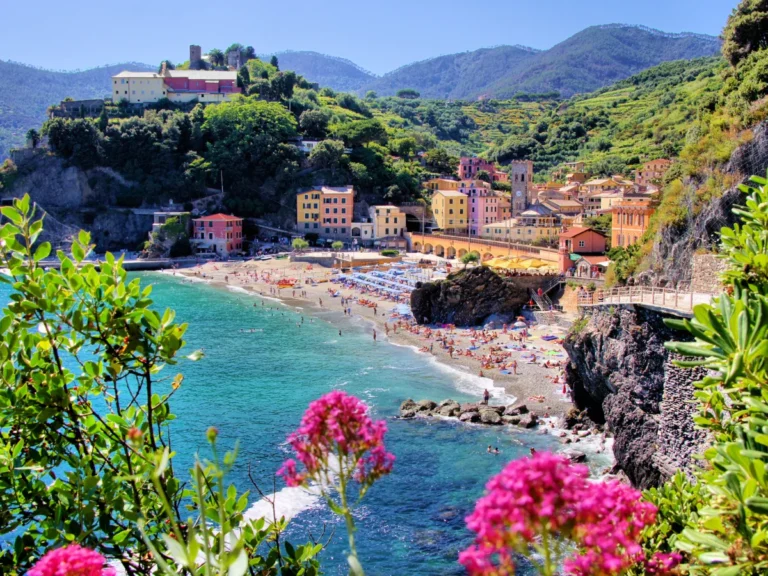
527	227
441	184
387	221
326	211
449	208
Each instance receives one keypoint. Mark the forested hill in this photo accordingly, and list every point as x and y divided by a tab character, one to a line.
26	92
591	59
337	73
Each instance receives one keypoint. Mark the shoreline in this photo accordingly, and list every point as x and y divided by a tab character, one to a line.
533	385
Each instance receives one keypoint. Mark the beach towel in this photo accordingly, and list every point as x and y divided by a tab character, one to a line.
549	337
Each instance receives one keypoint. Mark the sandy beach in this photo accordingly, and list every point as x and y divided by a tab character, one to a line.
538	381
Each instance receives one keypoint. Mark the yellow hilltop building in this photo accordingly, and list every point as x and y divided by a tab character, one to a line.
449	208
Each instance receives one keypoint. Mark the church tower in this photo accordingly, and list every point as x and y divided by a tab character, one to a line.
521	180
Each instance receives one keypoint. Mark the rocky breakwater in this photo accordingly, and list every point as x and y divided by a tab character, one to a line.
472	413
620	374
473	297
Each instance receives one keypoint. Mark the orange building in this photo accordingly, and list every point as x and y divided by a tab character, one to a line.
629	220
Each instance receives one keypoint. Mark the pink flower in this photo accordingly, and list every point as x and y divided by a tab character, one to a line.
528	497
71	560
337	425
661	564
547	495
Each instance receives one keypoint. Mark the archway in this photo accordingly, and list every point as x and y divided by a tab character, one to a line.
427	248
462	252
417	247
450	252
355	232
439	250
487	256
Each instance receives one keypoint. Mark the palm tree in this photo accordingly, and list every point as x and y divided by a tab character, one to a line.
216	57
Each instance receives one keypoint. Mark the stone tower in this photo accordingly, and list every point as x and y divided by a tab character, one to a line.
195	56
521	180
234	59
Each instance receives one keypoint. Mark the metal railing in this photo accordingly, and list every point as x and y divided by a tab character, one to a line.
680	298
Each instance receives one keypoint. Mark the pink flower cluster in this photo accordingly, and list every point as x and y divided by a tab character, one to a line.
546	494
338	424
71	560
661	564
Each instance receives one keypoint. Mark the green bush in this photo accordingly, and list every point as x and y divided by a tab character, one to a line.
390	252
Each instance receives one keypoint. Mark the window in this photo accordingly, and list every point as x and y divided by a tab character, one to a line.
210	224
306	216
210	235
582	243
335	210
387	231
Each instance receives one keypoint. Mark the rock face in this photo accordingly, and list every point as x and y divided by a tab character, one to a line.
469	297
618	373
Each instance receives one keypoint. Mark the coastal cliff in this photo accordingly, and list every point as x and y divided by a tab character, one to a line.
622	375
472	297
75	199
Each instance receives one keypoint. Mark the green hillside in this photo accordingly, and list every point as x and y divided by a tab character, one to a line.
336	73
26	92
587	61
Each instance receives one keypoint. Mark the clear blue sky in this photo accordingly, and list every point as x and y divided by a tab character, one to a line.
378	35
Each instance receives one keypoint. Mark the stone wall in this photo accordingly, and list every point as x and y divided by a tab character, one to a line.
707	269
678	438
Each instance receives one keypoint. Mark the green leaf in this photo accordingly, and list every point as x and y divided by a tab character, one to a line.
42	252
240	565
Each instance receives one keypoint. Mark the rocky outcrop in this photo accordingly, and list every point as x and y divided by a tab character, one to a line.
619	374
75	200
473	296
517	415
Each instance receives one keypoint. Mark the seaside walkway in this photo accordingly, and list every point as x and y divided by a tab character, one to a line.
676	301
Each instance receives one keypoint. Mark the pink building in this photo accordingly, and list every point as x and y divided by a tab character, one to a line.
219	233
483	204
469	167
576	242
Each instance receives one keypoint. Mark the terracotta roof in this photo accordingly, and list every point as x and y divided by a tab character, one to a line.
218	216
450	192
573	232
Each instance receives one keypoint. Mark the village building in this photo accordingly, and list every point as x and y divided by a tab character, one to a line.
326	211
564	207
469	167
482	202
576	242
160	217
219	233
206	86
449	208
589	266
388	221
530	225
362	233
441	184
652	172
629	220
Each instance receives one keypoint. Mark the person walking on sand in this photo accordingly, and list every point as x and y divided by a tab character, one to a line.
514	367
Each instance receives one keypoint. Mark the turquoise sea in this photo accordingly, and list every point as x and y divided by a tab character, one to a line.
254	388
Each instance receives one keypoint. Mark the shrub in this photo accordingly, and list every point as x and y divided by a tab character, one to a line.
389	252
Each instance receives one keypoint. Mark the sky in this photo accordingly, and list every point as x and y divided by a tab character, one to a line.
379	36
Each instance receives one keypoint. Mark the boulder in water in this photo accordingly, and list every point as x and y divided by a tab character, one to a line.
490	417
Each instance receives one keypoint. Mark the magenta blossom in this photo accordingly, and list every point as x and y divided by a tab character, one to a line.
529	497
540	502
337	427
610	520
662	564
71	560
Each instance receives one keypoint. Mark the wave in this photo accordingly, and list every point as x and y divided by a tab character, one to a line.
463	380
288	503
239	290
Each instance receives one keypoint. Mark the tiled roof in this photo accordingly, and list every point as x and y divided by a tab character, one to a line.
218	216
576	231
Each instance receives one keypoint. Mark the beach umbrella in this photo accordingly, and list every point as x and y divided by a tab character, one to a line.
520	324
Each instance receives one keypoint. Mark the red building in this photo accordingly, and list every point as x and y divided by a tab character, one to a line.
576	242
469	167
219	233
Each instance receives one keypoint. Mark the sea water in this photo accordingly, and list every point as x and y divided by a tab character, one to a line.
265	362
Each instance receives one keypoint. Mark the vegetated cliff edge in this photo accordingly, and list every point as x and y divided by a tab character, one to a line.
699	228
75	200
622	375
472	297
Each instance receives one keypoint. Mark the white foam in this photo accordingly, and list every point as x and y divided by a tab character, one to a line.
239	290
463	380
288	502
